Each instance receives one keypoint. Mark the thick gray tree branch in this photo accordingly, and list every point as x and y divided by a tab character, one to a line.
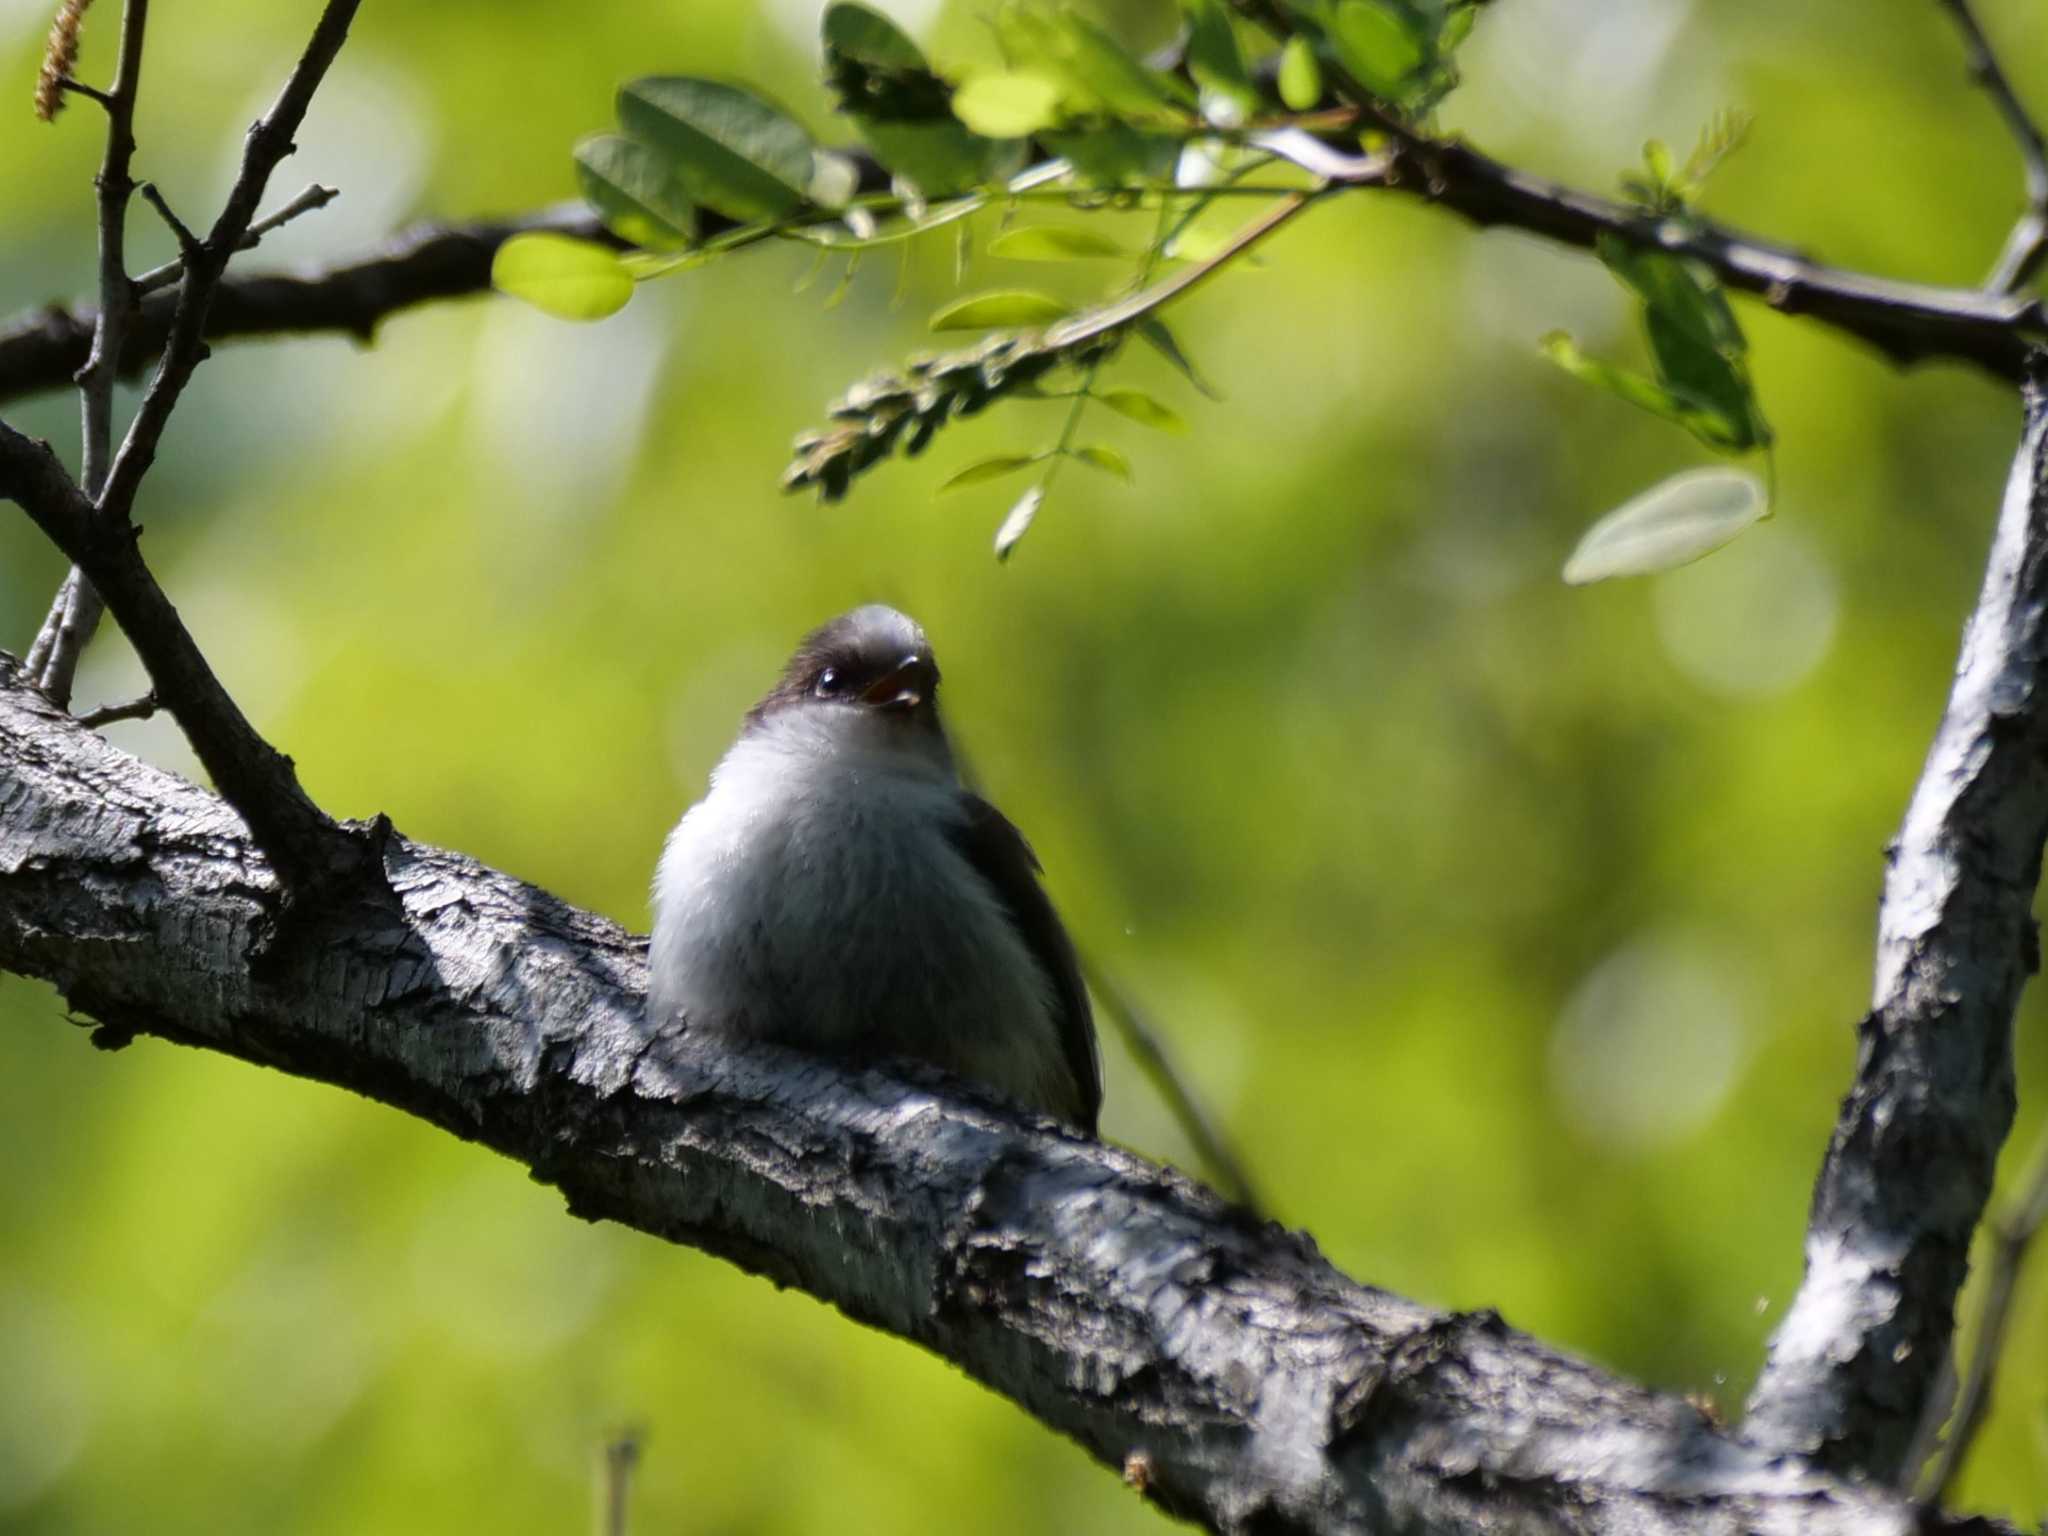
1909	1170
1222	1365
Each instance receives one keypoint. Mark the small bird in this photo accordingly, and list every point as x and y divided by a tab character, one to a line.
840	890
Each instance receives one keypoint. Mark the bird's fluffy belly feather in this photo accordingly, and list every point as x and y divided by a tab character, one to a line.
824	906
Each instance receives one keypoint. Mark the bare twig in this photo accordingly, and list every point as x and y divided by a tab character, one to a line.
310	852
107	714
1147	1046
2028	242
1910	1166
269	141
188	242
422	265
315	196
2011	1233
75	613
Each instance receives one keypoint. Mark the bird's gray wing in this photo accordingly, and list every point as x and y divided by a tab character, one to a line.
998	853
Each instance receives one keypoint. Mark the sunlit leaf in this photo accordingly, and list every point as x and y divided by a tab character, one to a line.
903	110
991	469
1458	26
1010	105
568	278
1008	307
635	192
1139	406
1101	456
1378	43
1671	524
1019	521
1122	84
732	150
1155	334
1054	242
1301	77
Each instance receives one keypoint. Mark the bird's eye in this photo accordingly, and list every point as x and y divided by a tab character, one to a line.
827	683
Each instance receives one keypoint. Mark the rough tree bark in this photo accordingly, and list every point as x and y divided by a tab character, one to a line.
1222	1365
1910	1167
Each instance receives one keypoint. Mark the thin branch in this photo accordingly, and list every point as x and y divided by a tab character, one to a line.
269	141
2028	242
315	196
2011	1234
1907	322
75	613
90	92
1147	1045
107	714
425	264
1223	1365
1910	1166
313	855
188	243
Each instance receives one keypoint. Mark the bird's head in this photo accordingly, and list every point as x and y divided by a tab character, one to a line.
865	681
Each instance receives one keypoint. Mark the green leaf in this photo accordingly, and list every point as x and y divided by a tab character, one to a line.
1153	331
1141	407
1012	105
1672	524
634	192
1705	420
1301	77
1694	336
1657	160
732	150
1217	64
1101	456
1458	26
1054	242
869	38
1019	520
1379	44
1114	154
568	278
991	469
1005	307
1122	84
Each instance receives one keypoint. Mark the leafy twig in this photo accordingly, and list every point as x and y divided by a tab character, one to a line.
878	412
2028	242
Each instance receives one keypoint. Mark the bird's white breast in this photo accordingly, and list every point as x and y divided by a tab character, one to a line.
814	897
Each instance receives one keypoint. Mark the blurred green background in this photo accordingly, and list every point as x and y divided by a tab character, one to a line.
1517	932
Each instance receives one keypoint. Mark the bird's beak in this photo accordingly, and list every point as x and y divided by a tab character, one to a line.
903	687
